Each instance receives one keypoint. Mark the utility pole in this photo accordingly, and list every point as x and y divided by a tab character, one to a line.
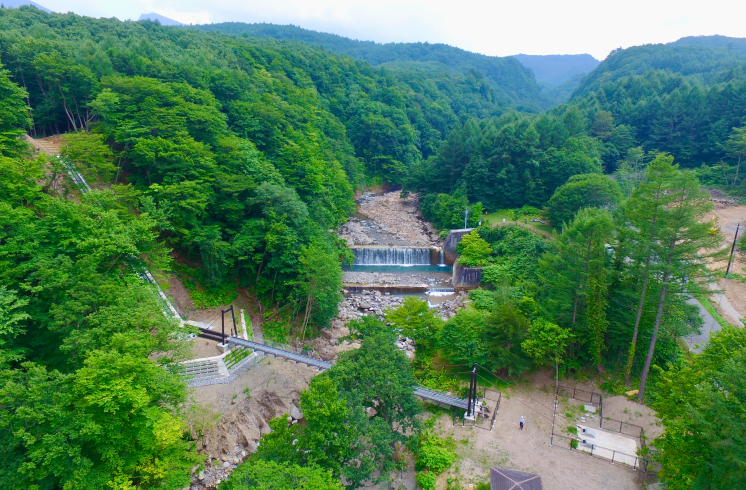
732	250
222	321
472	398
466	213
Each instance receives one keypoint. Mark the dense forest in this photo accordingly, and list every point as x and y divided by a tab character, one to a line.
686	101
249	149
511	80
556	76
231	159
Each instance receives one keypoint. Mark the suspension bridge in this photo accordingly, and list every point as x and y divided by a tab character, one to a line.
469	404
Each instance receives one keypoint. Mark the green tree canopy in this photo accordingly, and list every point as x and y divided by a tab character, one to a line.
701	405
474	250
274	475
586	190
413	319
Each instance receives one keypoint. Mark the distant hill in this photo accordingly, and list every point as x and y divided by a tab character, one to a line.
555	69
18	3
510	79
706	65
165	21
732	43
683	99
558	75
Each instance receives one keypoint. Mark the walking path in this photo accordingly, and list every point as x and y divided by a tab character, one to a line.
725	305
698	342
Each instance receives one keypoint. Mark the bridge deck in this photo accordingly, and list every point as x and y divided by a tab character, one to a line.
308	361
424	393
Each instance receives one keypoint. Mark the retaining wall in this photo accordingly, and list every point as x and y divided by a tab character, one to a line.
466	277
449	246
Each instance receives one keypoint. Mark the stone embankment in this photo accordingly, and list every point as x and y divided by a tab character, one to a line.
393	279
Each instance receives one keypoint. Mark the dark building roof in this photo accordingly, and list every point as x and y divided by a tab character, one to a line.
502	479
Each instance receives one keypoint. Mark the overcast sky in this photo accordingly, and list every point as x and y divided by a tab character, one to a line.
497	27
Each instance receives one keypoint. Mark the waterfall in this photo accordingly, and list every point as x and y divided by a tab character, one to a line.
441	259
392	256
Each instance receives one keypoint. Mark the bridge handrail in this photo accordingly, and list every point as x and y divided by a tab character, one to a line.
423	393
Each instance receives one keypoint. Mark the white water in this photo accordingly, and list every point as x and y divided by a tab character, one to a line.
392	256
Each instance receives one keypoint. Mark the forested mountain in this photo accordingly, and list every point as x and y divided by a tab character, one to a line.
19	3
707	65
689	101
559	74
162	20
513	83
250	149
680	99
731	43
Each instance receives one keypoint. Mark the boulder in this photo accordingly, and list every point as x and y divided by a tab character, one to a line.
296	413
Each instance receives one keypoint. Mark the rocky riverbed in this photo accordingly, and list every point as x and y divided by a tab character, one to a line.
396	217
368	302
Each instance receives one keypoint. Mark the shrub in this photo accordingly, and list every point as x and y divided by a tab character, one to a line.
474	250
527	211
434	453
426	479
276	331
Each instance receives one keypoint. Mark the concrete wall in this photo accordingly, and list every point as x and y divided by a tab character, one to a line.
449	245
466	277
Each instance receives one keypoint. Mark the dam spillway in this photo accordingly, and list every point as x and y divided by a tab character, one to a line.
392	256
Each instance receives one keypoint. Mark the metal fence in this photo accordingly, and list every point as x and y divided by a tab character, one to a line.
484	415
621	427
615	457
608	424
590	397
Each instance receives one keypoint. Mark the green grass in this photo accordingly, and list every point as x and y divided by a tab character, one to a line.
235	356
202	296
496	219
708	306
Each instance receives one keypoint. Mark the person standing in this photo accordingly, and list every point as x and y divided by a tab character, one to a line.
522	422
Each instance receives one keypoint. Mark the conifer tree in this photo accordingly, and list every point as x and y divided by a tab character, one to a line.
680	245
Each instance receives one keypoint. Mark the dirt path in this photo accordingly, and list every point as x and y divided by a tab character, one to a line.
734	298
528	450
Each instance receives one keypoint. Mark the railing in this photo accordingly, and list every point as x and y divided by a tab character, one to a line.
631	429
626	428
590	397
612	455
497	407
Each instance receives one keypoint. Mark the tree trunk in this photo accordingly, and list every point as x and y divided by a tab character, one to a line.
738	166
633	344
575	306
658	317
261	263
306	317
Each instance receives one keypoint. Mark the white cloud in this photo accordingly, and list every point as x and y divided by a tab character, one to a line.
496	27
